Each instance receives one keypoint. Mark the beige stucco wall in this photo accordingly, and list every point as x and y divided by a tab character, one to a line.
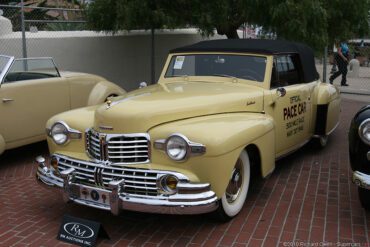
123	58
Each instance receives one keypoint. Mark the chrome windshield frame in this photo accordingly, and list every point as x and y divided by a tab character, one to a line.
6	68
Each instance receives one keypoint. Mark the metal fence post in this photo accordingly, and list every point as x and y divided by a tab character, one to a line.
24	47
325	64
152	55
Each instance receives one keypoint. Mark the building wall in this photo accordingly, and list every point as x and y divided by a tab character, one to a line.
123	58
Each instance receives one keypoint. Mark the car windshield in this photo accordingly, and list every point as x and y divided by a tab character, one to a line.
34	65
239	66
31	69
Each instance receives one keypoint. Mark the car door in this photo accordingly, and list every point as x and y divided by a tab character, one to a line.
292	108
26	104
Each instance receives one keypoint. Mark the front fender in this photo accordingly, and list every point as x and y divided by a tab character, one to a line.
221	133
225	136
78	119
101	91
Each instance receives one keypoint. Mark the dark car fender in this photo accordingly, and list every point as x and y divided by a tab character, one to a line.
357	148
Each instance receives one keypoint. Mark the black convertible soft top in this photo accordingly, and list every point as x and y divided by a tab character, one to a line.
259	46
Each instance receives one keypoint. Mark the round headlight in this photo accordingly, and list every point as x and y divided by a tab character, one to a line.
59	133
176	147
364	131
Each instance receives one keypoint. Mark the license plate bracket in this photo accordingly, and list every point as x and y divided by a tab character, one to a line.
90	194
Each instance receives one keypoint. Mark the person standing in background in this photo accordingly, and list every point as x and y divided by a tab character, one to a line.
341	58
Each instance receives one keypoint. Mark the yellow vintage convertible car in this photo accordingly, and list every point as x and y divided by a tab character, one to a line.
32	90
189	144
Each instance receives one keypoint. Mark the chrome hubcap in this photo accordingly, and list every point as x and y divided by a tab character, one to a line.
235	184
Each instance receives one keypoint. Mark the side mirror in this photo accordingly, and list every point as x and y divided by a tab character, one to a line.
281	92
143	84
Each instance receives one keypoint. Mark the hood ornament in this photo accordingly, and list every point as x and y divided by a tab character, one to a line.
109	103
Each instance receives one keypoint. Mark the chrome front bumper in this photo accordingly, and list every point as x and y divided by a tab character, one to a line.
191	198
361	179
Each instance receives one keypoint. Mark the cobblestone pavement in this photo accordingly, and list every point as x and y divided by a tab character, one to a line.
308	198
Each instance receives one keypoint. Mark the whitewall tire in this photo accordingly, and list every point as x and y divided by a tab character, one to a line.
236	192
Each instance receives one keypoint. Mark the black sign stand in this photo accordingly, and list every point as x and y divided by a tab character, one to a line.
81	232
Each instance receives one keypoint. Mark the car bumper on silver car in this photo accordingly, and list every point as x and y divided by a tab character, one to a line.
191	198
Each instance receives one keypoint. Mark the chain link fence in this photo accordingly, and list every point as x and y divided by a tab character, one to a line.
35	17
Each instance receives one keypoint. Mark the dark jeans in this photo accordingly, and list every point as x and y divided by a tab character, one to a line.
342	70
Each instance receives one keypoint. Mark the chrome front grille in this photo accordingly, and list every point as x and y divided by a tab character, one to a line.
118	148
137	181
93	144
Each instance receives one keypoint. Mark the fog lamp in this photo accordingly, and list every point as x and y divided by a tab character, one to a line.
54	162
169	184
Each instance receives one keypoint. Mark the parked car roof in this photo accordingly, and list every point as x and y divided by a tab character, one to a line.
259	46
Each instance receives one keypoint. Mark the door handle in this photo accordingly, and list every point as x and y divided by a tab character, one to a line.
7	100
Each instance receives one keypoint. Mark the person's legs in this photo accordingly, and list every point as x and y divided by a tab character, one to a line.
342	66
344	77
334	75
334	68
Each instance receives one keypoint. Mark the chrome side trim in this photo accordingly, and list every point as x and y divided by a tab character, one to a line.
293	150
334	128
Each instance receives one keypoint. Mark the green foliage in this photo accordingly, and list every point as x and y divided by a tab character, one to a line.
299	20
102	15
65	27
347	19
112	15
315	22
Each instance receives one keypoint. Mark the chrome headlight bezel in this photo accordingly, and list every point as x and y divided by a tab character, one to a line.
65	130
364	131
182	145
190	148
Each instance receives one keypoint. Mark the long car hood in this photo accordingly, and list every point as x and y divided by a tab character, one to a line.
143	109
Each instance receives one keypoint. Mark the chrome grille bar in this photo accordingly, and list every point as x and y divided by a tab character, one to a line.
118	148
137	181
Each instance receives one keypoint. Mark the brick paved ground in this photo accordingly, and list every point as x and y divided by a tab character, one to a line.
309	198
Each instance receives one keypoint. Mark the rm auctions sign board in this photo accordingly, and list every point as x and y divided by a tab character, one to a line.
80	231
